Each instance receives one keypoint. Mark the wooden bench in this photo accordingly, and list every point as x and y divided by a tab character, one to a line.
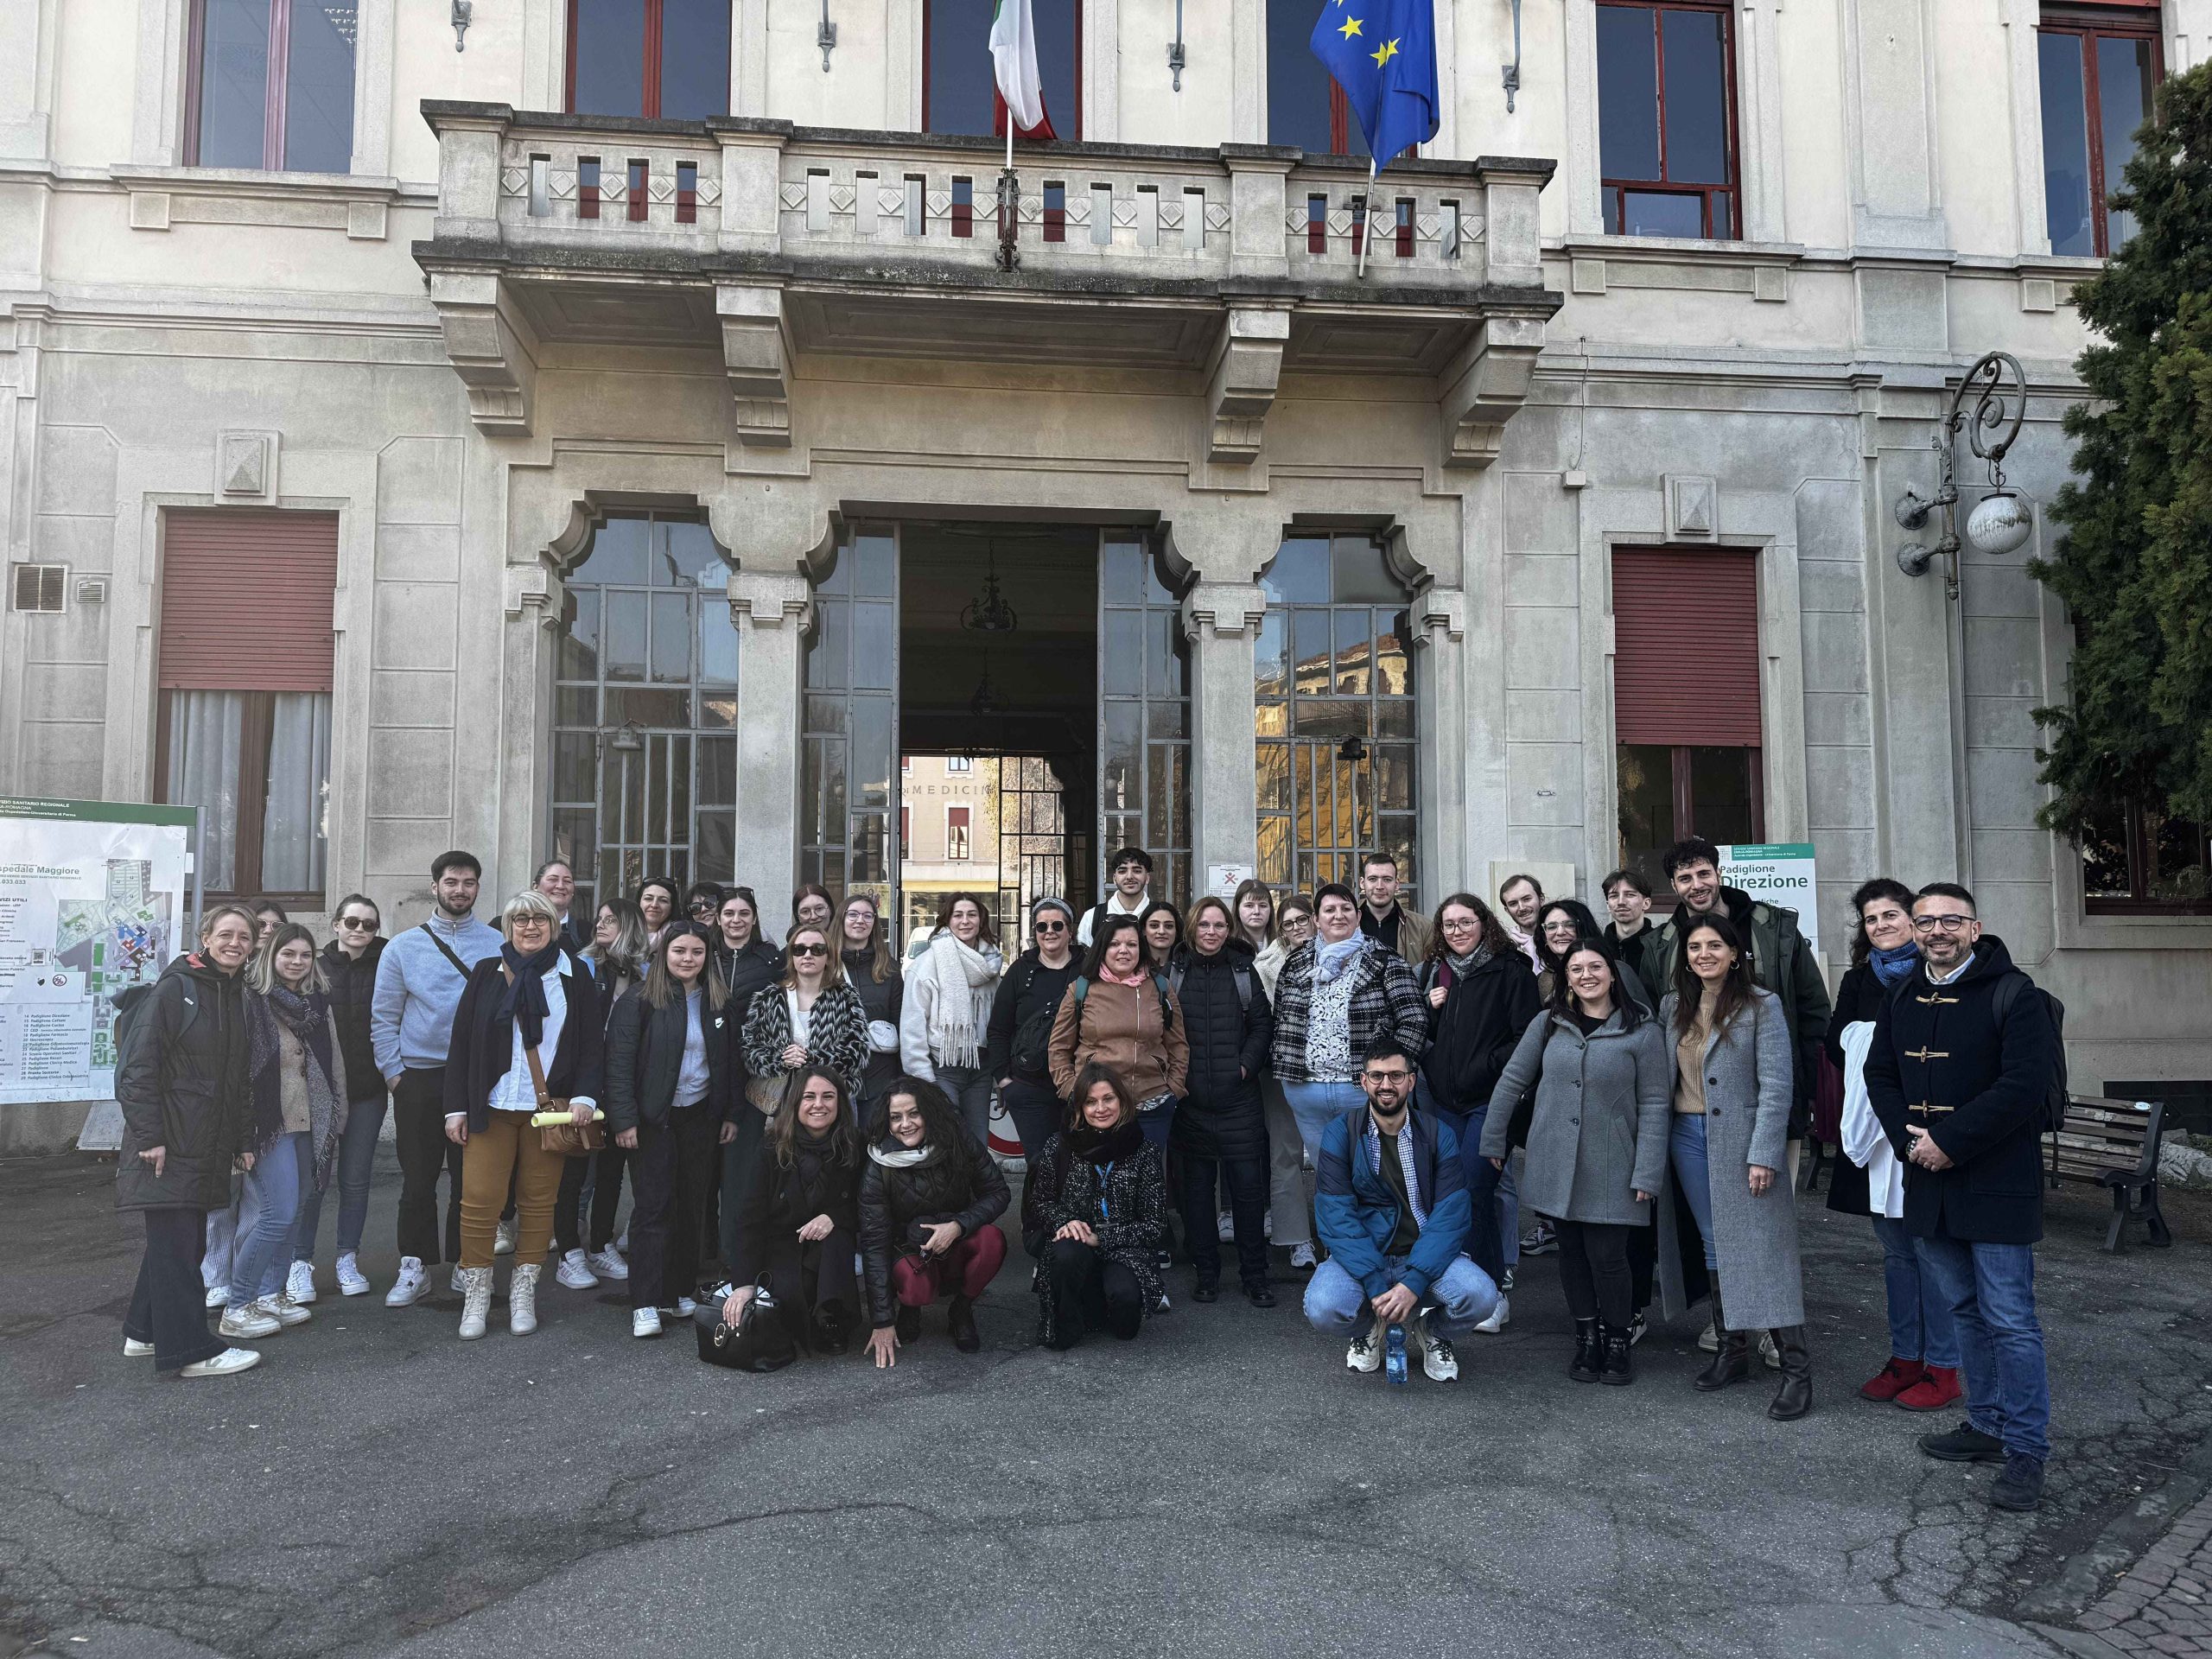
2115	1144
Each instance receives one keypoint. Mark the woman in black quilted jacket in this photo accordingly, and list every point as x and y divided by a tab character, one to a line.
1218	1130
797	1221
929	1195
1094	1212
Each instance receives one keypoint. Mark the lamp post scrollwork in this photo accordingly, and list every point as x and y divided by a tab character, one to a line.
1990	403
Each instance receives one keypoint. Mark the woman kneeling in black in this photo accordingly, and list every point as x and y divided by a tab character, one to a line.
928	1197
1094	1212
796	1222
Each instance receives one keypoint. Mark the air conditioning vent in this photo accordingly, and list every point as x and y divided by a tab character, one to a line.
91	590
39	586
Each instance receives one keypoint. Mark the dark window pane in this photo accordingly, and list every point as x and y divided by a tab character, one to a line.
233	83
609	52
1612	212
828	656
1298	573
714	858
1332	719
1165	660
870	754
319	87
1056	65
1309	634
663	710
2123	103
957	96
580	638
875	647
717	770
2176	847
617	556
572	766
1355	652
717	642
671	654
1651	213
683	552
1697	97
1359	575
1122	665
626	637
1271	665
693	59
875	566
1628	93
1646	788
1721	808
2065	144
1298	86
1724	215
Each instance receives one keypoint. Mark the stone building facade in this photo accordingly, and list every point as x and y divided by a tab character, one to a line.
636	433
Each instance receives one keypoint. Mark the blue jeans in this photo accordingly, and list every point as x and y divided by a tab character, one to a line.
1991	1291
263	1256
226	1230
1317	1105
1494	1238
970	1088
1921	1326
1156	1124
357	1162
1463	1295
1687	1142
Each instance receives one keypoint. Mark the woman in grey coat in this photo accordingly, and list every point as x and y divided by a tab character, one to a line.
1731	1079
1596	1141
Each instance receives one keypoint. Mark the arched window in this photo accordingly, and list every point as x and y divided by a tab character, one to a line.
1335	713
644	710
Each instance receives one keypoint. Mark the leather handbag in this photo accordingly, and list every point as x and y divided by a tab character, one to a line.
758	1342
557	1131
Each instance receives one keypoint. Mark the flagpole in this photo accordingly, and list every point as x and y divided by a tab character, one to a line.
1367	217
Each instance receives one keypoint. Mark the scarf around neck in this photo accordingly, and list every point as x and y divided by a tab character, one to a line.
308	1018
1330	961
522	997
1894	967
1462	966
899	1157
963	980
1105	1146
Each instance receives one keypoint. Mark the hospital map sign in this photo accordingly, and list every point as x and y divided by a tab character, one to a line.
95	897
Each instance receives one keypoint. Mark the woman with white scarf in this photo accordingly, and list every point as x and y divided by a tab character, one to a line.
950	990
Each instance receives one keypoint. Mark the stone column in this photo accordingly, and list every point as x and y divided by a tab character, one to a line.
530	605
1222	621
771	611
1449	747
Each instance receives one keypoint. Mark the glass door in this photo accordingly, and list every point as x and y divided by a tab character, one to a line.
1144	714
848	791
1033	840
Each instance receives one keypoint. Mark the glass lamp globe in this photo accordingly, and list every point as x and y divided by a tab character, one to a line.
2000	523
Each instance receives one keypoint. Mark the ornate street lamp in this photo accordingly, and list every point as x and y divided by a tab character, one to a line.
2003	520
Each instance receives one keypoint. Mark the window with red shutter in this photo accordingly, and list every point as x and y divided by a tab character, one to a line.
243	667
1685	699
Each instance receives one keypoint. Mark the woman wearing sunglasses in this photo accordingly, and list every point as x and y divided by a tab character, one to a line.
349	964
813	1017
1017	1046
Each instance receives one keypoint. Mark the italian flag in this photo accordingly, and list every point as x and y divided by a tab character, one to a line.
1014	62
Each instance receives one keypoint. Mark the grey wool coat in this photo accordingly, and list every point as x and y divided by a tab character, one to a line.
1750	1086
1598	1134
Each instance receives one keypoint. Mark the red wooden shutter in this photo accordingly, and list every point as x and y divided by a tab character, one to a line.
1686	640
246	599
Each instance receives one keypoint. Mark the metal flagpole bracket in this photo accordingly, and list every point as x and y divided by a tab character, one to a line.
1513	69
1009	256
826	36
1175	58
1364	218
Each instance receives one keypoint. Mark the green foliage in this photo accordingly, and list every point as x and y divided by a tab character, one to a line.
2135	568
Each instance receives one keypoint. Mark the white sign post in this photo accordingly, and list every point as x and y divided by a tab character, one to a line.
1776	872
95	897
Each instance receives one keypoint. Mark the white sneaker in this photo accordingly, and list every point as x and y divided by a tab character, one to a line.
351	1281
1499	1316
644	1321
220	1296
1438	1363
248	1323
522	1299
475	1285
622	1244
574	1271
226	1363
503	1241
608	1264
1302	1255
683	1307
282	1308
412	1285
1364	1353
1225	1227
299	1283
137	1349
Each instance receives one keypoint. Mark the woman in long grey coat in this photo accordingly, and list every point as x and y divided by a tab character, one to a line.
1732	1078
1596	1141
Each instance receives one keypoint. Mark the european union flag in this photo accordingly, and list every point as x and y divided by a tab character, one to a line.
1383	52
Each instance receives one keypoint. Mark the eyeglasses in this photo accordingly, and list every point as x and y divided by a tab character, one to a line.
1949	924
703	906
357	925
1048	927
810	950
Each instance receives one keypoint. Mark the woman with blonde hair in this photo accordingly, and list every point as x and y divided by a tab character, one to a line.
296	1083
528	1030
811	1017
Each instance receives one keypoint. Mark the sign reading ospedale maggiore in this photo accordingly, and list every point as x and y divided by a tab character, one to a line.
1776	872
95	896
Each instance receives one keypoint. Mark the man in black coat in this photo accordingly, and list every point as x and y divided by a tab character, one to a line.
1960	1065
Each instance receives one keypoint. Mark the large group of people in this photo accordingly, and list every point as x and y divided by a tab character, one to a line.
1379	1092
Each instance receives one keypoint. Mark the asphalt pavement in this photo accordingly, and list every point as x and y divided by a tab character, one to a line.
1220	1486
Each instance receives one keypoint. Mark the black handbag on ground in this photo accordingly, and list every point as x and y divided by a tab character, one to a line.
758	1342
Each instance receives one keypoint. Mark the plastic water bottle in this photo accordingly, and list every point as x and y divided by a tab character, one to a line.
1394	1355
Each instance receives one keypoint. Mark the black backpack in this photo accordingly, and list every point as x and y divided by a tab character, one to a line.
131	1004
1031	1053
2008	992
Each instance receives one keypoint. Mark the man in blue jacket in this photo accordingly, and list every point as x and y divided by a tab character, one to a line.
1960	1068
1391	1203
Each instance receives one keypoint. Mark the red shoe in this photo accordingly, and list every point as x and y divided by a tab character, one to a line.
1938	1387
1895	1378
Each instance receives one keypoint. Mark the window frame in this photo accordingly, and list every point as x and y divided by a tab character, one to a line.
1685	794
2135	837
1613	191
649	92
275	93
2088	22
257	727
998	104
962	820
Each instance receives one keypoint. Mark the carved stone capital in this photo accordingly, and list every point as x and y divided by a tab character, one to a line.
1246	364
1439	611
1229	610
1484	384
534	590
491	346
757	358
771	599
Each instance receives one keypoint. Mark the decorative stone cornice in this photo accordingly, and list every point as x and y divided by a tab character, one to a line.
1484	384
757	359
1226	609
1241	376
491	348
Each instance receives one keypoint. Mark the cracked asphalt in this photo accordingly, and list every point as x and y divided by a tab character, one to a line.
1219	1486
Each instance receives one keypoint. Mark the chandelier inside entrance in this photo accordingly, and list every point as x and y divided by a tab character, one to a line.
988	611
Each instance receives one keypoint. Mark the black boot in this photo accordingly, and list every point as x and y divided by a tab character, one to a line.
1795	1397
962	1319
1589	1354
1732	1362
1619	1365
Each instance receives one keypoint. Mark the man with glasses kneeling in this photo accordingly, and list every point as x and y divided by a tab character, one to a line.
1391	1205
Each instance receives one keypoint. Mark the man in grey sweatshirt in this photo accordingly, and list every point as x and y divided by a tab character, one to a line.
419	981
